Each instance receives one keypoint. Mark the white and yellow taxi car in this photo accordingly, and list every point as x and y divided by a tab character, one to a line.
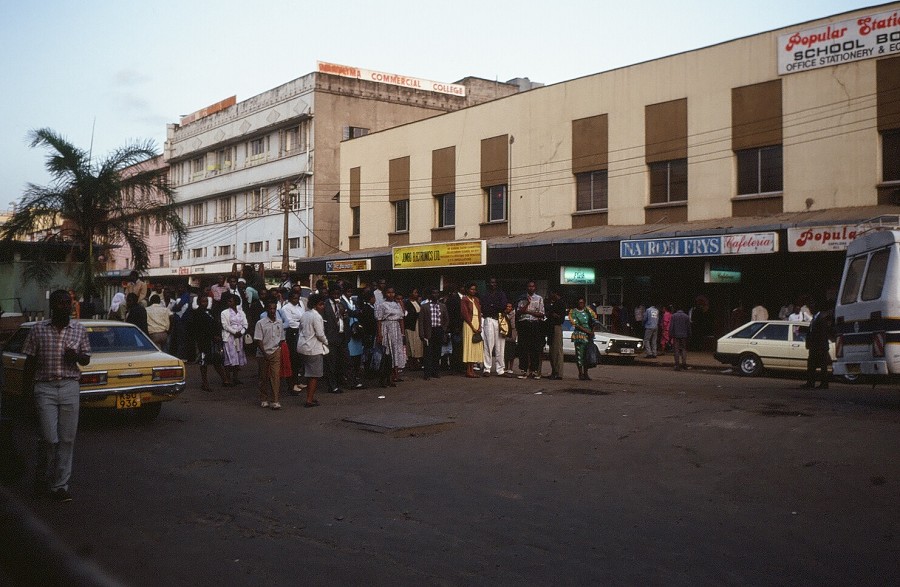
127	371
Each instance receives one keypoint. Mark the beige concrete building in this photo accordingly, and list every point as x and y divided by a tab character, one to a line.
736	146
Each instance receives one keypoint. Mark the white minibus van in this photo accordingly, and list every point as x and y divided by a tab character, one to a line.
867	314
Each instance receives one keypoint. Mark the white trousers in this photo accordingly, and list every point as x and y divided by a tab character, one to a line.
494	345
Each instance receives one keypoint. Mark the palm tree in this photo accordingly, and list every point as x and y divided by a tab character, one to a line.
94	206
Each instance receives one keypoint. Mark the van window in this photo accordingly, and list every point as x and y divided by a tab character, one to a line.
875	276
853	279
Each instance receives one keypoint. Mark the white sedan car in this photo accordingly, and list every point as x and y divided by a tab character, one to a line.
609	344
766	344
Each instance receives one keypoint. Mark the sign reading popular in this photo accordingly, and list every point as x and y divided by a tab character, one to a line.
820	238
864	37
758	243
455	254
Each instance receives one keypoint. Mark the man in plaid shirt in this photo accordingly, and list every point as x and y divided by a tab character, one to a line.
54	348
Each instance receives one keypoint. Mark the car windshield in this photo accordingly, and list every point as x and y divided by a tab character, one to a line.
114	339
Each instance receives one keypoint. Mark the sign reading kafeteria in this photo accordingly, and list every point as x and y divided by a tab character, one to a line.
454	254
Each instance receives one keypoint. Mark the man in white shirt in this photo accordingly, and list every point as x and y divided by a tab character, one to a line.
293	312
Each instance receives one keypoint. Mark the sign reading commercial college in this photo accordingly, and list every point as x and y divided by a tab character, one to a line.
874	35
391	78
757	243
454	254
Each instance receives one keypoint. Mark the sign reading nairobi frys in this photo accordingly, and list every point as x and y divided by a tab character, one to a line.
758	243
391	78
864	37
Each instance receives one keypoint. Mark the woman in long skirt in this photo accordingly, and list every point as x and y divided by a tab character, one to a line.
470	309
234	326
415	348
389	314
582	319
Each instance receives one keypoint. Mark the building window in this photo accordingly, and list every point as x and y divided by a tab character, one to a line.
258	146
224	157
177	255
353	132
354	211
196	253
145	225
298	195
401	216
162	261
294	243
668	181
759	170
223	250
160	227
295	139
198	215
256	201
496	203
224	210
591	191
446	210
890	155
198	165
256	247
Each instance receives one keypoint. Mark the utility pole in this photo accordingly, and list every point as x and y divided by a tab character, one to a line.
286	207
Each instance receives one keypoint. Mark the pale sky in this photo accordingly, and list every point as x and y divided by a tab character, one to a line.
126	68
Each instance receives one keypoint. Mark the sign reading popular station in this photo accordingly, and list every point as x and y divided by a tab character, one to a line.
454	254
864	37
391	78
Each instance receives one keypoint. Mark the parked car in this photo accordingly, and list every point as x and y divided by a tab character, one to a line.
766	344
127	371
609	344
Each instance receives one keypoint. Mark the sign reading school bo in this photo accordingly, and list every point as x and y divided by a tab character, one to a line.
864	37
757	243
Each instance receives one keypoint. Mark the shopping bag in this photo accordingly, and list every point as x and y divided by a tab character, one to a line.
591	355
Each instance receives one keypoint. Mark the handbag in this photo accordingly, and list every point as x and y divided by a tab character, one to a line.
248	338
377	357
503	325
217	353
476	337
591	355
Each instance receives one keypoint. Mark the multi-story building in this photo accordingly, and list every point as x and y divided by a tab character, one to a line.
737	171
259	179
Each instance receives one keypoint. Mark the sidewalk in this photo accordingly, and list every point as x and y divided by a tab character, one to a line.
696	360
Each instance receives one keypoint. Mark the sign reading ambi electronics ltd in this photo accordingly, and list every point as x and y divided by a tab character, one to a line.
864	37
758	243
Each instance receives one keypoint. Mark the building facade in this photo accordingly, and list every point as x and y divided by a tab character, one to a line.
735	172
259	179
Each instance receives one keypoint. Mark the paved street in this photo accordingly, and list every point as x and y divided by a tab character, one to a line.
642	476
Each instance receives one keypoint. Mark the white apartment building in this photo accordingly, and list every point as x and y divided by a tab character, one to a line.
261	177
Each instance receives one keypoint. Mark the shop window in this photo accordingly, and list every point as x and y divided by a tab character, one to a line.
668	181
759	170
591	191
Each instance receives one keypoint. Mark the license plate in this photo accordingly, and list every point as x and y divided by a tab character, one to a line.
853	368
627	351
128	400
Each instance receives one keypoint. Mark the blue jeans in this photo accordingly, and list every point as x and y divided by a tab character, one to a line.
57	408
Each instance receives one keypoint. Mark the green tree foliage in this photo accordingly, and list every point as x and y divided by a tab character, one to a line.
96	205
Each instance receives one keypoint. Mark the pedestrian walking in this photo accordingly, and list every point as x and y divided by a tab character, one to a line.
268	335
472	340
206	328
493	303
312	345
651	332
818	339
433	320
389	315
234	327
530	313
679	333
582	319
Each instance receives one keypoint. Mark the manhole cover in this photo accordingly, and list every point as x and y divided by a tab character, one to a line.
400	424
586	391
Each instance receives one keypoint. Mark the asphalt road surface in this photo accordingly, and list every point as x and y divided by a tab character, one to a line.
643	476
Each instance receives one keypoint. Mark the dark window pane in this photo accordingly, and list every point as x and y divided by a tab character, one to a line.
773	332
583	192
890	155
747	172
659	183
853	280
876	274
446	210
678	180
401	209
355	211
770	169
496	203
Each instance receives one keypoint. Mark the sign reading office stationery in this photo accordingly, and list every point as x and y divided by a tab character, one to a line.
452	254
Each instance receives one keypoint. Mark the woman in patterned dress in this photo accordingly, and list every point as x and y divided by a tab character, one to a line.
389	314
234	326
582	319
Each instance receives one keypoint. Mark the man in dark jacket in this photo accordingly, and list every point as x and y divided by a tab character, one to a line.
136	314
679	332
433	321
337	331
821	333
